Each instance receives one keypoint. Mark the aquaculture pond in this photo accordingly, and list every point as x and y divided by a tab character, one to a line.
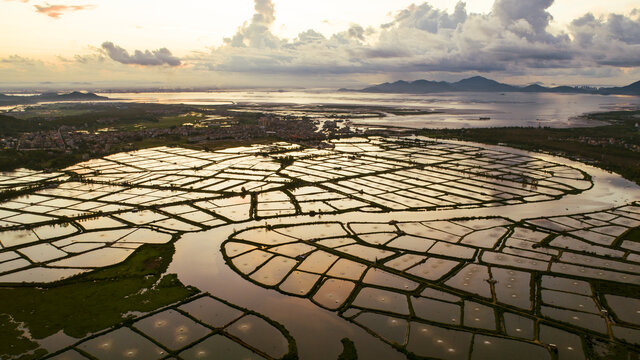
375	248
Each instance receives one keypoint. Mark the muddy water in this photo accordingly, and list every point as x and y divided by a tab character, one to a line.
198	261
428	282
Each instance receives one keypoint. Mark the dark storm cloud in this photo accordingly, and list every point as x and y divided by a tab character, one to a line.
146	58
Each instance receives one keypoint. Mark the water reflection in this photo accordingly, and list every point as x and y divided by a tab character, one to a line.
392	243
478	299
455	110
197	329
172	190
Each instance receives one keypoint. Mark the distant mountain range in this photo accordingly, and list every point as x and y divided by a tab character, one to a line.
482	84
46	97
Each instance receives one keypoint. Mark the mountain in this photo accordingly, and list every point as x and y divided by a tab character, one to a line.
48	97
633	89
479	83
416	87
482	84
534	88
72	96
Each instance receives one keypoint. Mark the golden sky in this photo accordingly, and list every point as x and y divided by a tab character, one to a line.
183	43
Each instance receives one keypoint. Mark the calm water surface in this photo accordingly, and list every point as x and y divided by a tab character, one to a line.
459	110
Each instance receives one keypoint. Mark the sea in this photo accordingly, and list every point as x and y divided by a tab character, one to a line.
451	110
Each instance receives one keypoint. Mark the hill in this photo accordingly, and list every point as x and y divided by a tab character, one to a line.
50	97
633	89
482	84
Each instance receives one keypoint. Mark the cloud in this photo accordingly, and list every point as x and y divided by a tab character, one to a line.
55	11
256	33
427	18
147	58
18	60
27	73
613	40
514	38
533	12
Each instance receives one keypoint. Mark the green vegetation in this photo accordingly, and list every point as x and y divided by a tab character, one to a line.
607	287
13	341
141	142
633	235
598	349
285	161
49	97
603	146
120	116
87	304
52	111
85	117
348	350
609	147
37	159
164	122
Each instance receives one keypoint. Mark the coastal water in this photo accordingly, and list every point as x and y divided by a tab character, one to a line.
451	110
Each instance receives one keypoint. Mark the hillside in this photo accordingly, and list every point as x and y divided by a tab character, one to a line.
482	84
50	97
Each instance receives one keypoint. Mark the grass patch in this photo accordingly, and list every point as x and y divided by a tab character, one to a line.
90	303
164	122
348	350
14	344
633	235
11	159
598	349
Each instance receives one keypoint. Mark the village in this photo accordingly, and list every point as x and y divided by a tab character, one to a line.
101	141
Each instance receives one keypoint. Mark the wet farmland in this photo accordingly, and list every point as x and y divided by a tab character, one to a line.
407	247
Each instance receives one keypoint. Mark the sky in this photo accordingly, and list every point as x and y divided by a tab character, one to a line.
100	44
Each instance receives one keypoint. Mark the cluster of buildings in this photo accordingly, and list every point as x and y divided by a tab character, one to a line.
101	142
617	142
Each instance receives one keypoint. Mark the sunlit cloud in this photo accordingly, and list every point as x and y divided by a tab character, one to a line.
55	11
511	40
